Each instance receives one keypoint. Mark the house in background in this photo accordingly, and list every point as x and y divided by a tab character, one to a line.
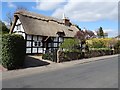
42	32
118	37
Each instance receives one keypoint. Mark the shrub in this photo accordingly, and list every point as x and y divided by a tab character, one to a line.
101	42
98	52
68	56
117	47
47	56
70	45
13	51
52	56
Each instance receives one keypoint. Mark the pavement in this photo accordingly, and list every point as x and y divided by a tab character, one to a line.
99	72
50	67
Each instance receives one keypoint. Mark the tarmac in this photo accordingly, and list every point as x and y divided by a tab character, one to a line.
50	67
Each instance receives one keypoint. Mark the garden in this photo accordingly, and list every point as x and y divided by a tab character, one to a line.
74	49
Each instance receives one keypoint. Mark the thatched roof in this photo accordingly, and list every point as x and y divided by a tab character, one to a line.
36	24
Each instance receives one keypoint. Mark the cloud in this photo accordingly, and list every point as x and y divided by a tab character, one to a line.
88	11
11	5
48	4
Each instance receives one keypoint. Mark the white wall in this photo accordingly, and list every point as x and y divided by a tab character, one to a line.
20	29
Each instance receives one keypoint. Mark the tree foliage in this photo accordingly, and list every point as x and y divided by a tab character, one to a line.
100	33
10	15
3	28
70	44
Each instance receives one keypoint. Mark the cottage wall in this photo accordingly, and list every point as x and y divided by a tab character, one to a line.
35	44
18	29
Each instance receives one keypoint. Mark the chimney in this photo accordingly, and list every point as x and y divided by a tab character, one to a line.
66	21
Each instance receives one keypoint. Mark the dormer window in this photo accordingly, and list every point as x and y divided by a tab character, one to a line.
60	34
70	29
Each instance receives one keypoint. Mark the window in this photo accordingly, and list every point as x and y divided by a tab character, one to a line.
40	50
28	43
29	37
60	39
34	50
37	43
28	50
55	39
39	38
49	44
18	27
55	44
35	38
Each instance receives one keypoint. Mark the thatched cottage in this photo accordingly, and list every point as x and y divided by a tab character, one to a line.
42	32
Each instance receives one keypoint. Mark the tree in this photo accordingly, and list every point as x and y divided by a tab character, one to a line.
100	33
3	28
9	15
9	18
71	44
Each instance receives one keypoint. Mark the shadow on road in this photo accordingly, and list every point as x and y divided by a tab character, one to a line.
33	62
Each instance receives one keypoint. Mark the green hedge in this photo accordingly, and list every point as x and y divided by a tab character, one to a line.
13	51
69	56
98	52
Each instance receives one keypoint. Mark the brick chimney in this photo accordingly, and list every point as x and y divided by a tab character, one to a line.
66	21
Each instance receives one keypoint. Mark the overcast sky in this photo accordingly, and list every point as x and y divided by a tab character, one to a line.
90	14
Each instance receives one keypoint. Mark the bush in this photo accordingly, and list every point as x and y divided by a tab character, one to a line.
101	42
68	56
98	52
47	56
70	45
13	51
117	47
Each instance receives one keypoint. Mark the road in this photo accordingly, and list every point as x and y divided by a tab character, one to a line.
97	74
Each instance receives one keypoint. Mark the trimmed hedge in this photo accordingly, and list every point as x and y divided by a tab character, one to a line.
69	56
96	53
13	51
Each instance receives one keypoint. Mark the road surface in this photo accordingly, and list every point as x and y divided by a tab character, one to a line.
97	74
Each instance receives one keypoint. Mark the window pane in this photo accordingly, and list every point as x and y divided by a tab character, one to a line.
35	38
40	50
60	39
39	38
34	50
55	44
49	44
55	39
28	44
39	43
29	37
35	44
28	50
19	27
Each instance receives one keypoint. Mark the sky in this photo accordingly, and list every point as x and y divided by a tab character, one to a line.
89	14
